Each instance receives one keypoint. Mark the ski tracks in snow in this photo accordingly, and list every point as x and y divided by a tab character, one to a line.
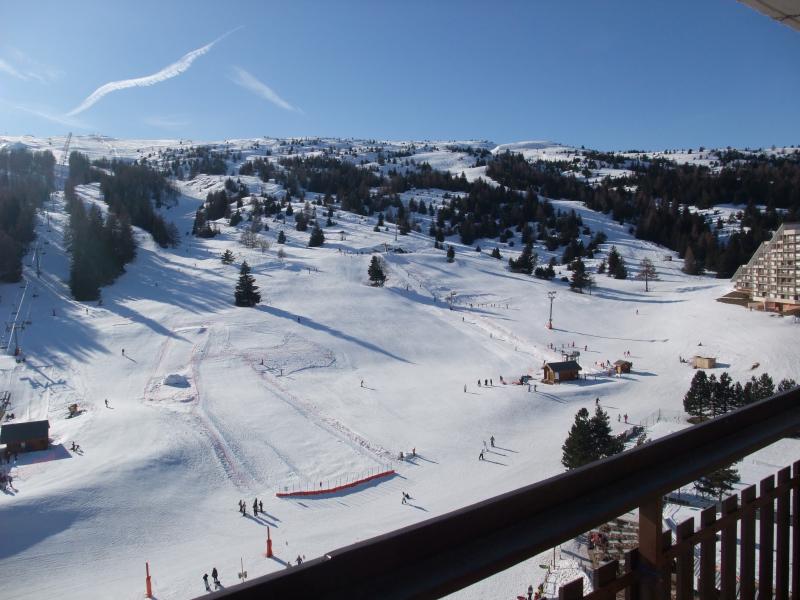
333	426
200	420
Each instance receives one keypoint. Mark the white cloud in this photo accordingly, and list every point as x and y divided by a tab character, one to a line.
7	68
46	114
247	81
34	69
27	68
168	72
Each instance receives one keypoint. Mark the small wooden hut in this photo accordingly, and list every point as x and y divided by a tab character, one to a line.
622	366
556	372
704	362
24	437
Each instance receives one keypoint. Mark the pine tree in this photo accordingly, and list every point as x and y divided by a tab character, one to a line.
281	237
690	265
603	441
764	387
647	272
785	385
227	257
451	253
613	261
375	272
246	293
578	448
696	401
580	278
317	237
722	395
621	271
717	483
496	253
525	263
301	222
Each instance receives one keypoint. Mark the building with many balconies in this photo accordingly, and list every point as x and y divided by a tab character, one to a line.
772	277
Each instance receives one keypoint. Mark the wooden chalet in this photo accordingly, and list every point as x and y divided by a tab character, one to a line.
25	437
622	366
704	362
556	372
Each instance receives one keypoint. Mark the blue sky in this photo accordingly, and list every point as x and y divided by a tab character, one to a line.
614	75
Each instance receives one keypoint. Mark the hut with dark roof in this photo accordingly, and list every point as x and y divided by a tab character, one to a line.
556	372
25	437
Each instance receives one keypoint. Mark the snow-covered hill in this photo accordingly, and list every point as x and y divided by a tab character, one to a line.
327	380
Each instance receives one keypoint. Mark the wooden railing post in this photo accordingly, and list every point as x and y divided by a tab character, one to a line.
684	584
650	559
796	531
572	591
782	537
728	552
707	582
747	554
766	538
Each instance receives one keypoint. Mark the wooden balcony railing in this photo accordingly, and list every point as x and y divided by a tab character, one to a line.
737	573
447	553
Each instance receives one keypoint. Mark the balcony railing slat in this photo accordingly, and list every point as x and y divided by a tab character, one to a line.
766	540
747	553
782	533
728	550
666	567
603	578
707	585
796	531
684	585
572	591
632	566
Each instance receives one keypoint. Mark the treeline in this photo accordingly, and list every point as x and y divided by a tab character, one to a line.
711	397
26	179
136	191
473	210
102	246
658	209
217	206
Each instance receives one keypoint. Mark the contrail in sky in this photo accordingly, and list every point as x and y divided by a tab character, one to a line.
248	82
168	72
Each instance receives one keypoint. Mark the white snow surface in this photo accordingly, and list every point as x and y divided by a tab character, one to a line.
210	403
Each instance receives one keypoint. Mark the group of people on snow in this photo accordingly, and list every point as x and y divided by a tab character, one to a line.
214	578
258	507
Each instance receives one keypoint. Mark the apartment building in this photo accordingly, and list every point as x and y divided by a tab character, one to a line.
772	277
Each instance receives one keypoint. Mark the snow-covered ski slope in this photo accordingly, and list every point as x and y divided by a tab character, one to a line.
211	403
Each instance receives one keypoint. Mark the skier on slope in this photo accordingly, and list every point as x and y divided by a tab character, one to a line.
205	580
214	576
255	507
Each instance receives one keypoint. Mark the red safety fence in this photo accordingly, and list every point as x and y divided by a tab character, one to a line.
338	488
